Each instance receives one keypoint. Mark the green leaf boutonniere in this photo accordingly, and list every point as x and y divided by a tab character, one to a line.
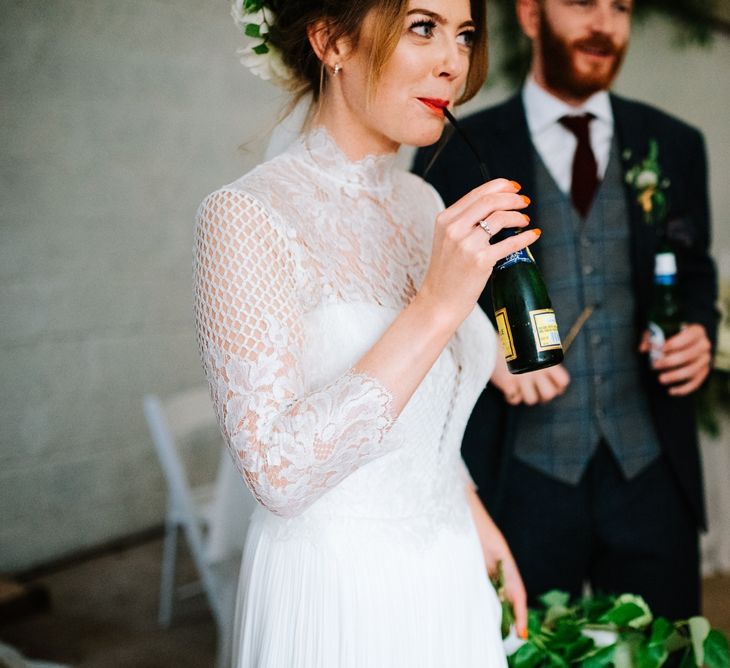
649	185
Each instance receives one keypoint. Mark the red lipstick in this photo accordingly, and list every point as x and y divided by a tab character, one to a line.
434	104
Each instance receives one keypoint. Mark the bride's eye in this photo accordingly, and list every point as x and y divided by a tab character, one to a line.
467	38
423	27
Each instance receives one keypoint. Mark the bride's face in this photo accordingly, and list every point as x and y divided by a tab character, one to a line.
426	72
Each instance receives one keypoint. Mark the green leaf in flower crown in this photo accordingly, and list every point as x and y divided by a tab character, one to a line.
250	6
260	49
555	597
252	30
599	658
622	614
717	652
699	629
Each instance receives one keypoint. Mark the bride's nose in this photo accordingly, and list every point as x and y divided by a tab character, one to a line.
451	62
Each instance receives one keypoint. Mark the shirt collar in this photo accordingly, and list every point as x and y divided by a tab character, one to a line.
543	109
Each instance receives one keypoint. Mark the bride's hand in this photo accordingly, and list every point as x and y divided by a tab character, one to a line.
462	257
495	550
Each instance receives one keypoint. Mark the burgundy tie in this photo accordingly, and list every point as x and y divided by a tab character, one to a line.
584	179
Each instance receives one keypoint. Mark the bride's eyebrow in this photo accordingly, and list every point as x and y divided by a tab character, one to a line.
438	18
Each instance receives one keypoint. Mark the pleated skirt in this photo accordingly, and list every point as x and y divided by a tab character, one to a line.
358	594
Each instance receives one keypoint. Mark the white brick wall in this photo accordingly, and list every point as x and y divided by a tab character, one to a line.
117	119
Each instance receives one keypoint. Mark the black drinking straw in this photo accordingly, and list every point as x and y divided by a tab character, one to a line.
464	136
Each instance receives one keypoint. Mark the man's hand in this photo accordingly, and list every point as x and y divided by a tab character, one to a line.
534	387
685	360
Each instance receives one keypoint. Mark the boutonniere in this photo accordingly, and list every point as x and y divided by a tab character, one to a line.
649	185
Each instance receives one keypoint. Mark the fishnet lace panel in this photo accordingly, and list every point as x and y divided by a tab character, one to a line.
290	446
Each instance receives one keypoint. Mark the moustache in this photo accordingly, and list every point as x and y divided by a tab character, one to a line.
598	42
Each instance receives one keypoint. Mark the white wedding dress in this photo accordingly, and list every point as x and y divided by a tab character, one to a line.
362	553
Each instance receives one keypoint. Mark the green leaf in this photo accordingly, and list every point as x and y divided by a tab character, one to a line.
555	597
600	658
260	49
622	656
527	656
554	613
252	30
651	656
595	607
699	629
534	622
688	660
508	618
661	629
717	652
556	661
622	614
676	641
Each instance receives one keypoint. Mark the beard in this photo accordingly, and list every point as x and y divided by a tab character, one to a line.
560	71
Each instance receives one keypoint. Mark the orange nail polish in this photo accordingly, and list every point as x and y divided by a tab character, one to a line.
516	185
523	634
537	231
527	218
526	198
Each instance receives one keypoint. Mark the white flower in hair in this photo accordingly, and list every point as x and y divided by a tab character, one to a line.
258	55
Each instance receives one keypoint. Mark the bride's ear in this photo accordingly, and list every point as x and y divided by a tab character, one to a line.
332	54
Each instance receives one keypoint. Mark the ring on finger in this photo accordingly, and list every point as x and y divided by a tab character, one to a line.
485	226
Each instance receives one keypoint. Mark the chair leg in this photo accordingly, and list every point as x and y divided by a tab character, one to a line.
167	579
223	653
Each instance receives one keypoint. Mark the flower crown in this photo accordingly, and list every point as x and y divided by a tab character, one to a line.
255	20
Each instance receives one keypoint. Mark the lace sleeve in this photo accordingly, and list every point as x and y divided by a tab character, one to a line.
291	446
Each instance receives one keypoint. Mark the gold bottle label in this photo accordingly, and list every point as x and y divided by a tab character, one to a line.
545	329
505	334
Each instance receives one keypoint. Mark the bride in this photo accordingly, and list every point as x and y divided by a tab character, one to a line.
335	311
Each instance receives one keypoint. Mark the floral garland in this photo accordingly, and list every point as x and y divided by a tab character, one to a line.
645	179
600	631
255	20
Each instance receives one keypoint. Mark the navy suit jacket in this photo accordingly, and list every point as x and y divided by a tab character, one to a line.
502	137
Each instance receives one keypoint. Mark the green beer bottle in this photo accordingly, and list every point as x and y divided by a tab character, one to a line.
525	318
665	312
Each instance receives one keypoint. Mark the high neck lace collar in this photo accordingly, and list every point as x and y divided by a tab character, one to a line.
373	172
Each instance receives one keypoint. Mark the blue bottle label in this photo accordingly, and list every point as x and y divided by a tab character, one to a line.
523	255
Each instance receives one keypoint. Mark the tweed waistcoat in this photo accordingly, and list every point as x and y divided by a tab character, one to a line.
584	262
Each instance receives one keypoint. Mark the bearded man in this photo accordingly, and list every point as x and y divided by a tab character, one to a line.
591	468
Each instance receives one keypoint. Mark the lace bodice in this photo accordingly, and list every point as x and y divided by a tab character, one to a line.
299	268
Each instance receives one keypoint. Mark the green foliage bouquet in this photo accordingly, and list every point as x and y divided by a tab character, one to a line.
615	631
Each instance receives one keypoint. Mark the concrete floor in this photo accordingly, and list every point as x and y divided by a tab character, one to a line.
104	615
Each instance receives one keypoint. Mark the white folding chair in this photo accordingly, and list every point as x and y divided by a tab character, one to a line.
197	510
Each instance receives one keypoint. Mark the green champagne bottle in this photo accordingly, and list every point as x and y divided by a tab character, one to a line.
665	314
525	318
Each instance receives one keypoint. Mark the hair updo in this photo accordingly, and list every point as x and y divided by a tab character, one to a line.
345	19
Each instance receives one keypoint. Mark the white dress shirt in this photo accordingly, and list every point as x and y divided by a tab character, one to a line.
554	143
